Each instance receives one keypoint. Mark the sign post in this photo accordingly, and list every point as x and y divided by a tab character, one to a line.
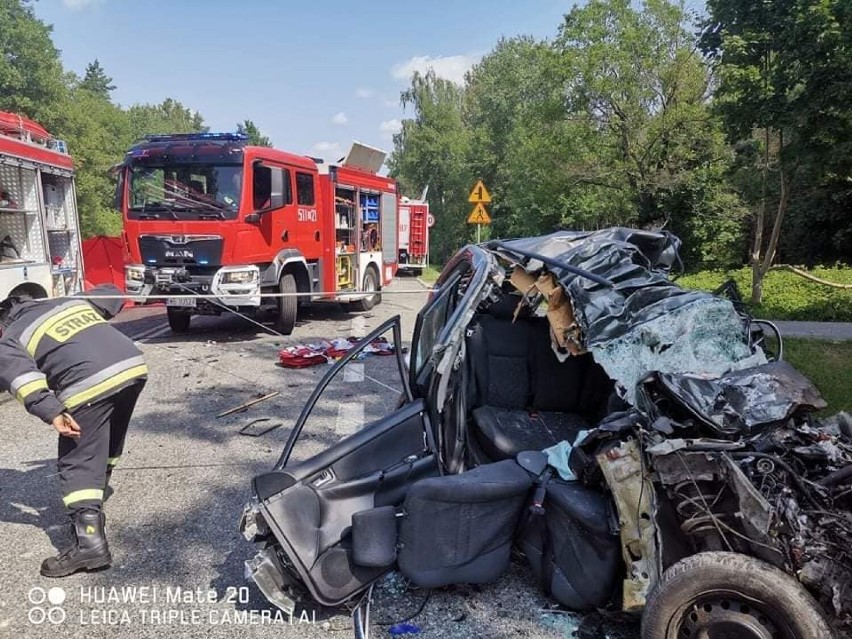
479	197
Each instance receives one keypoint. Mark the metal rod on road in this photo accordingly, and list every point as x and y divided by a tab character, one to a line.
246	405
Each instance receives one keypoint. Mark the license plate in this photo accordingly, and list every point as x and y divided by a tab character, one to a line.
185	301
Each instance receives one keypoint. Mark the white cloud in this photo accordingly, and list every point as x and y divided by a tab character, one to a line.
389	127
78	5
331	151
340	118
364	93
450	67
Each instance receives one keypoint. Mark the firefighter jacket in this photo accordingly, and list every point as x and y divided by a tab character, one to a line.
58	354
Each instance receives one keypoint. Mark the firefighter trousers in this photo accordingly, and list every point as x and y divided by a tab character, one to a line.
83	461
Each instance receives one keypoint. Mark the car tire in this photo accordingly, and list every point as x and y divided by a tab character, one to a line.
288	306
730	594
371	283
178	320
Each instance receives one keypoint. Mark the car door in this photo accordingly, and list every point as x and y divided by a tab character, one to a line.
359	443
438	369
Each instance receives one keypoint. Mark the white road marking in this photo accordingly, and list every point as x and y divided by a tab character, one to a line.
351	413
382	384
353	372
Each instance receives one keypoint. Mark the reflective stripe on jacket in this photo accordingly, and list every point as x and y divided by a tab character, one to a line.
56	355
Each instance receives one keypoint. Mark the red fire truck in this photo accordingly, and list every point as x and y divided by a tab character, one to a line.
414	224
40	250
212	223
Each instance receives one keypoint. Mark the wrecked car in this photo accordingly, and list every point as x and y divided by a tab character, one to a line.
644	446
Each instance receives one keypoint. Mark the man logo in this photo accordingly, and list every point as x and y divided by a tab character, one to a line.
53	613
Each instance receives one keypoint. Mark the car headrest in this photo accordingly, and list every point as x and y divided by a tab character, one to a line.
505	308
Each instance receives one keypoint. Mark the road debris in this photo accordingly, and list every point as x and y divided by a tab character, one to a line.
246	430
245	406
325	352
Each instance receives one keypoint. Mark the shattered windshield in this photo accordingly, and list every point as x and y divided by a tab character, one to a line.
184	191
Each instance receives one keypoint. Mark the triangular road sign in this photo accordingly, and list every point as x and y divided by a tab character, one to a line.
479	194
479	215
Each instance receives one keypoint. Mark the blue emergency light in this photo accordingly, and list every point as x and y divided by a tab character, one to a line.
176	137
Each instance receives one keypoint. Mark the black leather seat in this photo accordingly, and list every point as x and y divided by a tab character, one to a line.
524	398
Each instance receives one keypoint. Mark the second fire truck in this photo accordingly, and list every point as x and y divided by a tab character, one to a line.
40	250
212	222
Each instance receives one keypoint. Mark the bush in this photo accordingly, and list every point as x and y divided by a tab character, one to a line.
787	296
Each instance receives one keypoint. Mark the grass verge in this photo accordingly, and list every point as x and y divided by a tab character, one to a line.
787	296
826	364
430	274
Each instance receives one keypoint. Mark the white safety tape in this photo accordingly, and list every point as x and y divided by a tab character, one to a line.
210	296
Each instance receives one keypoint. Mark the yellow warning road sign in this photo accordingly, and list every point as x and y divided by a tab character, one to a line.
478	195
479	215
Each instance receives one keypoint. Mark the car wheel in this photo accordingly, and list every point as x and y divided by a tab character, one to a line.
725	594
371	285
178	320
288	306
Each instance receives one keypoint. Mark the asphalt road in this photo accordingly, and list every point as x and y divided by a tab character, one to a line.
184	479
834	331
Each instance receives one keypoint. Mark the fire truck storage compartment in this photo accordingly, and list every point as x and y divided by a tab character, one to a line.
371	221
346	238
62	232
19	215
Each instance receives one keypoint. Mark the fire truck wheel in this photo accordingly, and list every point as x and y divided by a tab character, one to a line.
178	320
288	306
371	284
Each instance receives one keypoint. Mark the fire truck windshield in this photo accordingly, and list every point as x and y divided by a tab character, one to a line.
184	191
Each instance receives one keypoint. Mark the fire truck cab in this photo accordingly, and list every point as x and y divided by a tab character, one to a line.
40	249
211	223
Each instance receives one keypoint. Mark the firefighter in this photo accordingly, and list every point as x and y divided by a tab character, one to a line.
71	369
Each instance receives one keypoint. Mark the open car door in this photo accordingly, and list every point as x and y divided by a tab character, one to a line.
359	443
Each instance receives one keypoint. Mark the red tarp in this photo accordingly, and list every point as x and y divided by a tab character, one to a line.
104	261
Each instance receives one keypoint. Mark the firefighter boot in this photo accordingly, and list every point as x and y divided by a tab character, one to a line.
89	551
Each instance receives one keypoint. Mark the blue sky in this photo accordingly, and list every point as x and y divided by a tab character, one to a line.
312	75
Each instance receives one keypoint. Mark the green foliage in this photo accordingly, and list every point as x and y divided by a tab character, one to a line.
430	274
170	116
828	365
607	125
431	150
97	81
787	296
785	90
97	136
255	137
30	71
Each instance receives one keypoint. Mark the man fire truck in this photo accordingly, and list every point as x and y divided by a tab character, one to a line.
40	250
211	223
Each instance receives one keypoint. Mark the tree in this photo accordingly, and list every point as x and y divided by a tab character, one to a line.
255	137
785	82
431	149
170	116
30	70
98	135
97	81
640	87
514	106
